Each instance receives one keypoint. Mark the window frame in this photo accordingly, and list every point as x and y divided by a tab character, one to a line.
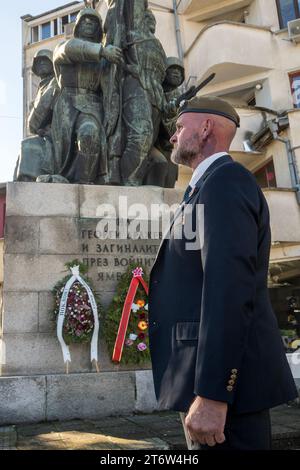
35	30
264	167
292	75
42	38
72	14
297	11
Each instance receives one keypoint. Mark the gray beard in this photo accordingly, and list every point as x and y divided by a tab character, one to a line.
183	157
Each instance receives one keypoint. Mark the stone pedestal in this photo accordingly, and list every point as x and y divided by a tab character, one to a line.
48	225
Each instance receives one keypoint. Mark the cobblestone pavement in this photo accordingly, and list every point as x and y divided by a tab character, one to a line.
158	431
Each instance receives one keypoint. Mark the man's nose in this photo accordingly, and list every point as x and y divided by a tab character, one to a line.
173	139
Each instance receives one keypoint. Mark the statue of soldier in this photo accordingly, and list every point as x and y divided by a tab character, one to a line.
143	96
153	169
128	112
36	157
175	77
78	135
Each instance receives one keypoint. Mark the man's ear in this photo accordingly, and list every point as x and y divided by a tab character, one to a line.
208	126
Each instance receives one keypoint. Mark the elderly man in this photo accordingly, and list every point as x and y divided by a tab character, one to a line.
216	349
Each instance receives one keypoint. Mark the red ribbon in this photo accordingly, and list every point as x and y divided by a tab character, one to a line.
119	344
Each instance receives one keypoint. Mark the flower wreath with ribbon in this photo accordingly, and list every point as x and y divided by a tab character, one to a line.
126	326
76	313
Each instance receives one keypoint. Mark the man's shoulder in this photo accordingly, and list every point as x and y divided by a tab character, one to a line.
232	172
230	182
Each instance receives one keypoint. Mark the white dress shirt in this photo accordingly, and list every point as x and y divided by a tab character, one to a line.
202	167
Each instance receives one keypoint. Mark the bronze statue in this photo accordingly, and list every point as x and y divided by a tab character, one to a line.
142	93
78	134
107	115
153	65
128	120
174	79
36	157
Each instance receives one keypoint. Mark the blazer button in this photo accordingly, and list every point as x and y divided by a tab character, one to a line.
233	376
229	388
234	371
231	382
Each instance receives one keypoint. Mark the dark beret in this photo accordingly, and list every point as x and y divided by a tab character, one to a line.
210	105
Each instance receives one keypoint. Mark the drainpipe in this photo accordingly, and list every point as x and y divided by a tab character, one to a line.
273	126
178	31
24	79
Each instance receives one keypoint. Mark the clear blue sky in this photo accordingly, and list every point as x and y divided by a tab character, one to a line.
10	77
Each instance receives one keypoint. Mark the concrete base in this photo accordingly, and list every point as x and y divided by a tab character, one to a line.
48	225
30	399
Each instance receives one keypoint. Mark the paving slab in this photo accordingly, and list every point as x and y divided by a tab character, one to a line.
156	431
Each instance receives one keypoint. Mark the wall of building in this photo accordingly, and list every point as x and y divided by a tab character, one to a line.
2	214
263	13
1	267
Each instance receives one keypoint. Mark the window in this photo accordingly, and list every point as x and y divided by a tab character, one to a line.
295	88
55	28
287	10
252	101
64	21
73	16
46	30
266	177
35	34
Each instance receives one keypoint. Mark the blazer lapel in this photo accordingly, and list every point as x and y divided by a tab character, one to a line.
220	161
192	193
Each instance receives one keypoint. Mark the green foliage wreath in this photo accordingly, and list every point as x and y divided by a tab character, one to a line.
136	347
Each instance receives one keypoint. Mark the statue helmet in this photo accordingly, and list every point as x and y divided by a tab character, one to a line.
150	17
88	11
42	53
176	62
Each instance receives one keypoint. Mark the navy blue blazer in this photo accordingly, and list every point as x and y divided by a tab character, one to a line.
212	329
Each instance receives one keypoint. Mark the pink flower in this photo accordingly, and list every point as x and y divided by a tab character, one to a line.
138	272
141	347
129	342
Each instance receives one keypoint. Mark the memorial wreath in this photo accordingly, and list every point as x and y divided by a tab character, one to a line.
126	322
76	310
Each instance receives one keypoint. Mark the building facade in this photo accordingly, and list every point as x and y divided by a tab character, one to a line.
255	53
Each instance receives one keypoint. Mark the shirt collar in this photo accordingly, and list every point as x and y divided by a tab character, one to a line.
203	166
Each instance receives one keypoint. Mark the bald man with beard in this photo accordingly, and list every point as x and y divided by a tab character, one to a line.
216	350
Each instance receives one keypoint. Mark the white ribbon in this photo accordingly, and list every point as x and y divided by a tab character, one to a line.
62	313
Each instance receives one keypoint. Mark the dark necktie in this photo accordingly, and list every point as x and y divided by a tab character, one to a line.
187	193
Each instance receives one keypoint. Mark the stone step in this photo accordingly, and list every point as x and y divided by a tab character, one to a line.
29	399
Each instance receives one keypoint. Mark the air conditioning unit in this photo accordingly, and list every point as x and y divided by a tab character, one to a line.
294	30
